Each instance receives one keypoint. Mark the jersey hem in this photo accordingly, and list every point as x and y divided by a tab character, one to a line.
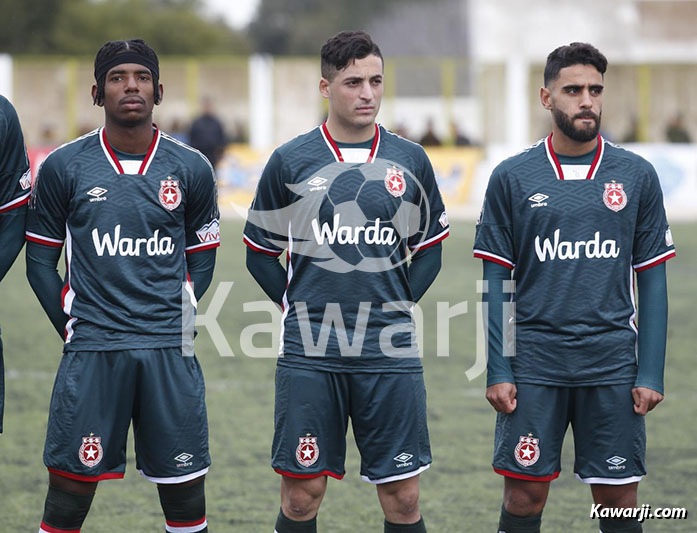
113	347
594	383
339	369
526	477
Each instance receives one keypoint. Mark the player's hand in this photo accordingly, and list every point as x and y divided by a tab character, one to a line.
502	397
645	399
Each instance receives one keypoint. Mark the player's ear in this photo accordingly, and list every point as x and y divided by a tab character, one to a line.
160	94
324	87
546	98
94	96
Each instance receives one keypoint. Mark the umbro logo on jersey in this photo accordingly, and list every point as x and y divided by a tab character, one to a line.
616	462
97	194
317	184
403	460
538	200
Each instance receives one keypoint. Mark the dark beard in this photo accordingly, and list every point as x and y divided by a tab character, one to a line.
566	125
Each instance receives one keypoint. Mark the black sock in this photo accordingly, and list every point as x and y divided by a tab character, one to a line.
286	525
65	510
619	525
510	523
416	527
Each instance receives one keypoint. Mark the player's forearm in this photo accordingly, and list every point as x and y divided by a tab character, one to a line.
653	326
268	273
498	367
11	237
424	267
201	266
46	282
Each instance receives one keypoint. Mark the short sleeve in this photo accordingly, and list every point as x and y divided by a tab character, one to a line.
15	175
266	230
434	219
493	239
48	208
202	215
653	242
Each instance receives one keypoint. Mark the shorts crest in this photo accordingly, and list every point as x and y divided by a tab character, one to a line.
91	452
527	452
307	451
170	195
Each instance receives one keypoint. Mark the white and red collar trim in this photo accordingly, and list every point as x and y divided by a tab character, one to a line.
554	160
116	164
331	143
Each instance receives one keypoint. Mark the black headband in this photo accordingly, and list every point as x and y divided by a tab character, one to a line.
126	57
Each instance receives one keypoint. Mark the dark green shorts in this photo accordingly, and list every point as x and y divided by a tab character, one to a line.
97	394
609	437
388	417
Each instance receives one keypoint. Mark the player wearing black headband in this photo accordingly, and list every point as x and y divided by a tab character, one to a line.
136	212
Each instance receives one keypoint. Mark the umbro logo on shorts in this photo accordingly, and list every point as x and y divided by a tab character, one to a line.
616	462
403	460
183	460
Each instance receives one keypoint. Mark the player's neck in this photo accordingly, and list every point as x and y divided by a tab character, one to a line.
563	145
129	139
350	134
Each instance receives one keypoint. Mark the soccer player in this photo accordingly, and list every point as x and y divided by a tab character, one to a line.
348	201
573	217
15	184
136	212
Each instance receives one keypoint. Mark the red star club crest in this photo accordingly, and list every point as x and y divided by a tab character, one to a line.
614	196
395	183
91	452
170	195
527	452
307	451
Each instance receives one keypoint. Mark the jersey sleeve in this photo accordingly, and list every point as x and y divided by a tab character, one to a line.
15	175
266	230
202	215
493	239
434	219
48	208
653	242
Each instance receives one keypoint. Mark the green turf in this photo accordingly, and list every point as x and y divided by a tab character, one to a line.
459	493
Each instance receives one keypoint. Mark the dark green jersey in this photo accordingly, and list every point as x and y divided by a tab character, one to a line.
573	231
15	176
348	216
127	223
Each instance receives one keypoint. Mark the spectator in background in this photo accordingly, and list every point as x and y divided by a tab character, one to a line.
676	132
429	138
207	133
458	138
179	131
632	134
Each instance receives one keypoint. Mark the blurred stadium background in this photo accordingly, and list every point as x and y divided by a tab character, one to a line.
468	69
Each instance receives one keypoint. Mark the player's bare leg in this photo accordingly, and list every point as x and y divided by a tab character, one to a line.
400	503
67	503
618	496
300	501
523	502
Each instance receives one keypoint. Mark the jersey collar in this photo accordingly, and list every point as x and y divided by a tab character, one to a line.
331	143
116	164
554	160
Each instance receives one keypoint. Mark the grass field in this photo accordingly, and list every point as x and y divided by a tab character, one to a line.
459	493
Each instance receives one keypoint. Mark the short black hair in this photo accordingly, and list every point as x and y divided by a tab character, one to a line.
133	47
343	49
573	54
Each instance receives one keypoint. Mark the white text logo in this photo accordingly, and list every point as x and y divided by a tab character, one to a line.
134	247
352	234
592	249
